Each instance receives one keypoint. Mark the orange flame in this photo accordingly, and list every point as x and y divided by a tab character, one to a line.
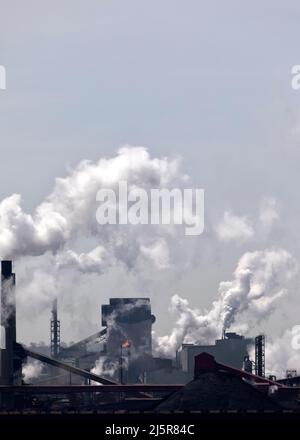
126	344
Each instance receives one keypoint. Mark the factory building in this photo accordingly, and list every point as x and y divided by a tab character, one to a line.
200	377
124	345
128	323
128	319
232	349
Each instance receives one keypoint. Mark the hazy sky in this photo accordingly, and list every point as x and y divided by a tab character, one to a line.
210	81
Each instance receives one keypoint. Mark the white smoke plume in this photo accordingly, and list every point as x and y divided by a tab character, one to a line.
158	252
105	368
70	209
259	282
58	225
68	214
191	327
32	370
233	227
237	229
269	212
283	353
91	262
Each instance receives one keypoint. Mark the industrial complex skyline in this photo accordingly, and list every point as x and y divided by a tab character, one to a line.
218	107
149	206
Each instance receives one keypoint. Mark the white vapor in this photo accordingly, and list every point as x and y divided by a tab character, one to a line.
269	212
68	216
283	353
32	370
105	368
91	262
65	221
259	281
70	209
158	252
234	228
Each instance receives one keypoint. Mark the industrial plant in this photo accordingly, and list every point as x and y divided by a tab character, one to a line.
115	370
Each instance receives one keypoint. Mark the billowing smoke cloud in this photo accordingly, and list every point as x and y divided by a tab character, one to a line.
91	262
32	370
238	229
158	252
67	218
70	209
283	353
191	327
105	368
57	227
233	227
259	282
269	212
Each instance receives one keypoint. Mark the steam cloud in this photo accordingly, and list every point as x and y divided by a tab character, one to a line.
256	287
283	352
105	368
68	216
233	228
32	370
69	211
241	229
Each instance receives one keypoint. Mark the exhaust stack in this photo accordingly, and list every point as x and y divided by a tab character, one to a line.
55	331
8	323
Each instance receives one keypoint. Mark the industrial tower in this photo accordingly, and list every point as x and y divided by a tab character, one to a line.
260	355
54	331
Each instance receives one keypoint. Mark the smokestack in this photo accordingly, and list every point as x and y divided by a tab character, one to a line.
260	355
8	322
55	331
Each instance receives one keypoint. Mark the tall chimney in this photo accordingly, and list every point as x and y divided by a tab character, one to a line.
260	355
8	322
55	330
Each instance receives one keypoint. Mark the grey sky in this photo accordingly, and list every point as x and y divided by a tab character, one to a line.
207	80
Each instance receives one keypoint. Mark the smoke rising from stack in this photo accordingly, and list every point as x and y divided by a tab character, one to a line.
55	230
68	216
52	232
259	282
70	209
